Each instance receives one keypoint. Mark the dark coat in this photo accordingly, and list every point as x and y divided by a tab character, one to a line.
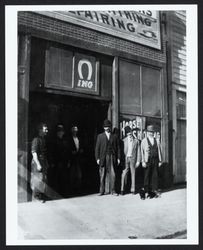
74	154
101	148
60	152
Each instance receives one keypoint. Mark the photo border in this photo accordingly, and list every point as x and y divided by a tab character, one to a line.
8	137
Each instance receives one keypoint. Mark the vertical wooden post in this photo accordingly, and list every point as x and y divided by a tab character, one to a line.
174	123
168	86
24	43
115	108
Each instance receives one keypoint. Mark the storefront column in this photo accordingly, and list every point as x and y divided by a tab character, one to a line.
115	122
24	43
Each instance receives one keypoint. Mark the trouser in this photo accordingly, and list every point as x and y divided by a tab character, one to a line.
151	176
39	179
107	176
129	165
75	175
61	179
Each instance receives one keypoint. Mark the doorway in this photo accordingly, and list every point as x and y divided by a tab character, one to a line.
87	114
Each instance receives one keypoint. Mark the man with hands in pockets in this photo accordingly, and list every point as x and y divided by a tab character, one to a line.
132	159
107	154
151	160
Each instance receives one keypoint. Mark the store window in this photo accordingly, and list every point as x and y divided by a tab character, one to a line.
106	77
59	67
130	99
181	105
139	89
138	125
140	97
151	96
180	143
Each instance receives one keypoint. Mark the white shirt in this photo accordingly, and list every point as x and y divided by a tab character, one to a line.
151	139
76	141
130	147
107	134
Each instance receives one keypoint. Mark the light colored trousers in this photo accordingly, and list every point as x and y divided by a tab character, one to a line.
129	165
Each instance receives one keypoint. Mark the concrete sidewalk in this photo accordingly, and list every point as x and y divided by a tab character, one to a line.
105	217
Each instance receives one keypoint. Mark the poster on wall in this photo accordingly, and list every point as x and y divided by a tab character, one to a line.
137	124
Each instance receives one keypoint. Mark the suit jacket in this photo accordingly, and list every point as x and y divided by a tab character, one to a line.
145	150
72	148
136	155
101	148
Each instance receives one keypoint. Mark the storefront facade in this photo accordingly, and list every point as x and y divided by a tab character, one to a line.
177	69
78	67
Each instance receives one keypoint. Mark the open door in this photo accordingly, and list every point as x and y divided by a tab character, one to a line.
87	114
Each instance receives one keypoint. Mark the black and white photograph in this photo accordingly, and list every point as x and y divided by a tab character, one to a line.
101	124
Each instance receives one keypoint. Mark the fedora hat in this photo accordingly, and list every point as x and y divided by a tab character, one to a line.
107	123
150	128
128	129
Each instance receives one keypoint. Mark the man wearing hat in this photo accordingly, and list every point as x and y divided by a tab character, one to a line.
107	154
132	159
151	159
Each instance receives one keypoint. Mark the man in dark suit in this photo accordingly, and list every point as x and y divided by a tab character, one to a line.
151	160
76	152
107	154
61	159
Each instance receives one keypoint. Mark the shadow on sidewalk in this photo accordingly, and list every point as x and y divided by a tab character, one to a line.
174	187
176	235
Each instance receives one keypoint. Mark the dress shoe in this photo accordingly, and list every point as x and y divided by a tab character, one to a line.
133	192
100	194
151	195
157	194
42	200
122	193
142	194
115	194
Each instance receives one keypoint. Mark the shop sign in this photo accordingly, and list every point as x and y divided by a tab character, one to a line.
138	26
137	125
85	73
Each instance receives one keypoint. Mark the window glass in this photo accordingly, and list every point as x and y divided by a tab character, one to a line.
151	94
181	105
156	122
106	77
129	78
59	65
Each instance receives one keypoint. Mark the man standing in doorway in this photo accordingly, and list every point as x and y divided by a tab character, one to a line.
151	159
132	159
76	152
107	154
61	161
39	164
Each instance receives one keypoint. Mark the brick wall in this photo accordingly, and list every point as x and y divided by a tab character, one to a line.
35	23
